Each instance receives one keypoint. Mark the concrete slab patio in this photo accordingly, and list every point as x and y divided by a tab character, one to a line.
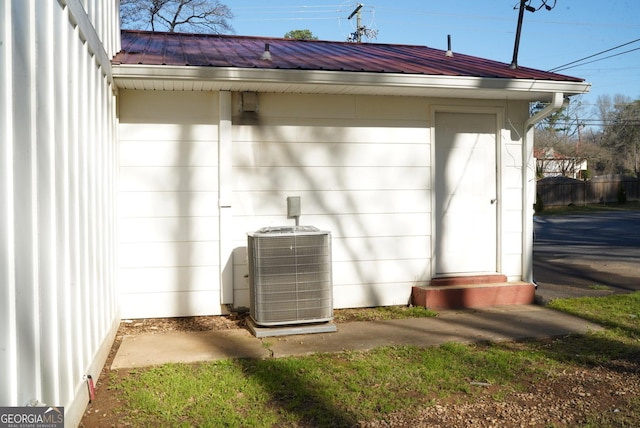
499	323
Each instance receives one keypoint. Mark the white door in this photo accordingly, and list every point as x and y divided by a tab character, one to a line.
465	145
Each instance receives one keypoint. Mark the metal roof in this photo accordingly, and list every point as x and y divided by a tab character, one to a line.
178	61
204	50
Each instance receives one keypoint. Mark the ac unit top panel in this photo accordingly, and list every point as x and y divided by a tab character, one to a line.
287	230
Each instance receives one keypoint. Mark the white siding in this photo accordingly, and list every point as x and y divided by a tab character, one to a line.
169	221
361	166
58	305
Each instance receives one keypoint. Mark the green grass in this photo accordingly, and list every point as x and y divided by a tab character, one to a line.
320	390
344	388
619	312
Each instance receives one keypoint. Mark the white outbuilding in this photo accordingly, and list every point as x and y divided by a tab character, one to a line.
419	163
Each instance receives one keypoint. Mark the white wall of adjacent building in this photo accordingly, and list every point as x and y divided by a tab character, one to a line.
198	174
58	174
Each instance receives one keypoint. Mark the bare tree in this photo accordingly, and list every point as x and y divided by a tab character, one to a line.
198	16
621	133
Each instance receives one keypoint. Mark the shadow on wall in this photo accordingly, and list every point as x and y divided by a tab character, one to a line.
357	178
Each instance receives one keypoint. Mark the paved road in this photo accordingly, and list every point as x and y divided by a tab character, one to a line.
579	254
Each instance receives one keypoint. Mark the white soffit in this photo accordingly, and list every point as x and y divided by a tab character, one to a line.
170	78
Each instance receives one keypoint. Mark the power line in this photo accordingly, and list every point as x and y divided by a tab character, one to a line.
599	59
565	66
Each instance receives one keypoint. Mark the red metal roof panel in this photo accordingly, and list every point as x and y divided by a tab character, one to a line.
205	50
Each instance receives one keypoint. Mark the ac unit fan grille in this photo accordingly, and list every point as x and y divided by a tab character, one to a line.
290	278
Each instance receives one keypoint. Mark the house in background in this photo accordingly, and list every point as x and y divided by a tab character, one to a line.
131	176
550	163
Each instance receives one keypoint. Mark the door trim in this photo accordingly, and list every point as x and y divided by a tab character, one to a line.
499	129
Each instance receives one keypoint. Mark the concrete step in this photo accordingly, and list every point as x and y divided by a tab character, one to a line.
459	296
468	280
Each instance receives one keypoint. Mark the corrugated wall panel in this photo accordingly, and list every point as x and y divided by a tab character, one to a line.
46	200
58	302
8	330
61	35
25	203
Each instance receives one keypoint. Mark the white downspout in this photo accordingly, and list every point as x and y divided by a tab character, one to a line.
555	105
529	183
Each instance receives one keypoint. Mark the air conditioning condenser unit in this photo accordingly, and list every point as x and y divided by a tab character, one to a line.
290	280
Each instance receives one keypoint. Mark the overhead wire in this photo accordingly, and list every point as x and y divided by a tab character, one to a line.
327	12
566	66
599	59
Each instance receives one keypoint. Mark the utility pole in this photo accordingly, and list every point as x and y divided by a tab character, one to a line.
580	125
514	61
525	5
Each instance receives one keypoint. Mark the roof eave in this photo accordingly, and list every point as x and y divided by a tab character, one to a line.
191	78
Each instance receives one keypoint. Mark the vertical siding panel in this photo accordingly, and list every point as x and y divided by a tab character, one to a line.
108	303
112	211
113	202
110	28
90	142
99	208
112	206
28	340
74	202
61	97
46	217
105	198
83	200
99	197
102	207
8	357
100	253
106	258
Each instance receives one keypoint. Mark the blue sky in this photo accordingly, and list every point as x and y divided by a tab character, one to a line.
572	30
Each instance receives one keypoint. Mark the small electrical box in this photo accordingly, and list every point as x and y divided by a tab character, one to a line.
293	207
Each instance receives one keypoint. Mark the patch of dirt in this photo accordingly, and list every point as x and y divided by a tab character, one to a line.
165	325
564	399
599	396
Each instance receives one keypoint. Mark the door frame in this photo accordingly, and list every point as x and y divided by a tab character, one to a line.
499	121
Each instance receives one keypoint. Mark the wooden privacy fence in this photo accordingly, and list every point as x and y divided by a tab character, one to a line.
563	191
